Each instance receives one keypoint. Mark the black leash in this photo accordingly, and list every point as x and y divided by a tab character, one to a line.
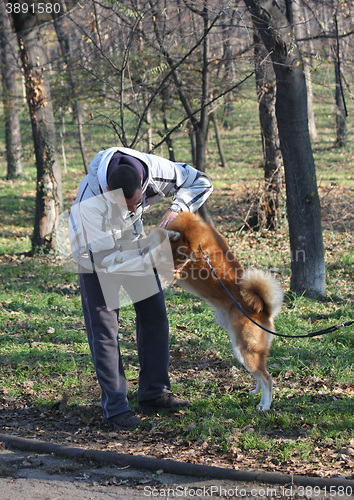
330	329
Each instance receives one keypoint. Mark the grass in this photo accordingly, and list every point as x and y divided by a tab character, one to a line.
45	356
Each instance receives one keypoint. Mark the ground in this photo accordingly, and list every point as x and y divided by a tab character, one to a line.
81	425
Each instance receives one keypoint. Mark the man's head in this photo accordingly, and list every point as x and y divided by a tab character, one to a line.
126	178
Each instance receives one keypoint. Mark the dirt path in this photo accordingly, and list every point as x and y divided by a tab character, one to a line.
27	475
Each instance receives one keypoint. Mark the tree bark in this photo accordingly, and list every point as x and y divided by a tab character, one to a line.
214	120
300	25
268	215
341	115
341	112
12	121
229	70
303	204
164	104
48	189
65	47
198	128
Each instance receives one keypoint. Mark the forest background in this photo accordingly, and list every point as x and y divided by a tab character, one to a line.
187	86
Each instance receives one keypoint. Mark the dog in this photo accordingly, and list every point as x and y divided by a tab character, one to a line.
259	294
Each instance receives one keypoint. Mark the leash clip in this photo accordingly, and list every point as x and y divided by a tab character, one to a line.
206	258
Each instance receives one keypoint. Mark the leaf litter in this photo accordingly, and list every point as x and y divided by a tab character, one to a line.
251	446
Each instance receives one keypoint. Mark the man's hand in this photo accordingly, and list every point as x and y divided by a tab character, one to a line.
167	218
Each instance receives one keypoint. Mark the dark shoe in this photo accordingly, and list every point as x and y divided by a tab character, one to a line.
165	402
125	420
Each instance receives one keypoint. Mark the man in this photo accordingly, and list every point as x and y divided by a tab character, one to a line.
106	228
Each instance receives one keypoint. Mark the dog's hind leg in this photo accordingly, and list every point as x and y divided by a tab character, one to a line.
255	363
251	350
264	383
258	388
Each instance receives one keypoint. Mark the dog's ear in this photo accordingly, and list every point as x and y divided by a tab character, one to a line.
173	235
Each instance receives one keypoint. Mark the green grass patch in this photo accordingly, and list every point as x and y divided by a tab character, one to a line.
43	346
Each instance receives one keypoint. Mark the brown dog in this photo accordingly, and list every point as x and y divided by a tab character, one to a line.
259	294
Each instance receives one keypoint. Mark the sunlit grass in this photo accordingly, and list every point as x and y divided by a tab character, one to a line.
43	346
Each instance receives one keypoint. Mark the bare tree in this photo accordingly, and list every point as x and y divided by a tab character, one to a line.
198	124
48	189
301	30
341	111
268	213
303	204
151	67
65	42
198	119
8	49
228	57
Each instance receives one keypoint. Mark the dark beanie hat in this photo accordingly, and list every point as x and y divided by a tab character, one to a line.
125	177
122	159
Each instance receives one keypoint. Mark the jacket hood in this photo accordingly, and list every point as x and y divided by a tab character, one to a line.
97	171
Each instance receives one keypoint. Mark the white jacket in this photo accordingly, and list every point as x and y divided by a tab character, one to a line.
98	227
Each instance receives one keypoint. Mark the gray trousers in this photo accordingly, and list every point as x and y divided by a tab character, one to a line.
152	332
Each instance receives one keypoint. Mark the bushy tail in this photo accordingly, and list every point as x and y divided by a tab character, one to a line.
261	292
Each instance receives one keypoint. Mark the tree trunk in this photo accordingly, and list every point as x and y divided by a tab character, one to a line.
198	128
303	204
229	71
341	115
201	126
214	120
12	121
65	47
301	29
341	112
311	113
268	215
48	190
168	140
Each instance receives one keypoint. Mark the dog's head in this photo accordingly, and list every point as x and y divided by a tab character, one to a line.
184	233
182	251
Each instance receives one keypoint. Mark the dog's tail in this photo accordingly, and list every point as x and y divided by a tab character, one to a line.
261	292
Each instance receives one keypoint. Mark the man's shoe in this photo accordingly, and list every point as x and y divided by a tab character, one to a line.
125	420
165	402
